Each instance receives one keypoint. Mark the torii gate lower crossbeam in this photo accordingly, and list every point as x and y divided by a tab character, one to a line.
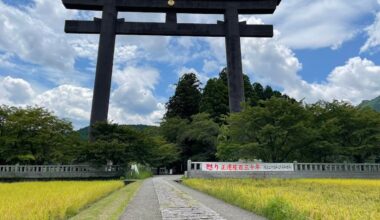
109	26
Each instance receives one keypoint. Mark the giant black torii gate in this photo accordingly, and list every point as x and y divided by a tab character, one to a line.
109	26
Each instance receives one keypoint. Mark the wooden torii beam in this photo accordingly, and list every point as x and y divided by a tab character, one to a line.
109	26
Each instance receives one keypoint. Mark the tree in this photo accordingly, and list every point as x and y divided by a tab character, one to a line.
119	144
171	128
268	93
186	99
165	154
248	89
195	139
345	133
35	136
198	140
215	100
275	131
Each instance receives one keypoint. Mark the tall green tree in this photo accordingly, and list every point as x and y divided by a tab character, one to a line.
195	139
198	140
33	135
165	154
248	89
186	99
171	128
275	131
120	144
215	99
345	133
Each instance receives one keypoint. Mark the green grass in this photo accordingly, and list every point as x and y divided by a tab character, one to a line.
144	173
112	206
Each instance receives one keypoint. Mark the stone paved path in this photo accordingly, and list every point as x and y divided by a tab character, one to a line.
144	206
175	204
162	198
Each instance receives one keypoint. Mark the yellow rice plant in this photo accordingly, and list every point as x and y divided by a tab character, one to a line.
50	200
327	199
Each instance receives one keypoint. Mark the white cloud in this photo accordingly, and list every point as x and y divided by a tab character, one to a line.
320	23
132	101
119	115
15	91
201	76
357	80
134	92
373	32
27	35
68	101
210	66
270	61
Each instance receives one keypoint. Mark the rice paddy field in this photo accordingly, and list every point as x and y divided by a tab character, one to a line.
51	200
327	199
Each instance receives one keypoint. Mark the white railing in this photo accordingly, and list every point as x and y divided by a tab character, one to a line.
337	167
57	171
308	167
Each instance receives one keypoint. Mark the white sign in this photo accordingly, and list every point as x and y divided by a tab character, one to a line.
240	167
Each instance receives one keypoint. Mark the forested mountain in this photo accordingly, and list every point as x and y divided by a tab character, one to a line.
83	132
374	104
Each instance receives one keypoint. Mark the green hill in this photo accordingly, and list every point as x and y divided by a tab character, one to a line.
152	130
374	104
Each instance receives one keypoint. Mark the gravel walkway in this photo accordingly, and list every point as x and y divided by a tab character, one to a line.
162	198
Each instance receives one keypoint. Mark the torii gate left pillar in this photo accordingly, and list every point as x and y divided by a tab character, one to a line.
103	77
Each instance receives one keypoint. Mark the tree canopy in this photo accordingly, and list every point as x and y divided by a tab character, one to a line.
33	135
122	145
281	130
215	100
185	101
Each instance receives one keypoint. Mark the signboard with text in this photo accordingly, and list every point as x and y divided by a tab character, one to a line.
240	167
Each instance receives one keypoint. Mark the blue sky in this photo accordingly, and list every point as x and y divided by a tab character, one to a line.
322	50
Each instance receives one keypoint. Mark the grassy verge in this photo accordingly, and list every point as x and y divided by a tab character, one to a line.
144	173
112	206
298	199
51	200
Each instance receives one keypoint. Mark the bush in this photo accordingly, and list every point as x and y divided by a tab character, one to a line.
143	173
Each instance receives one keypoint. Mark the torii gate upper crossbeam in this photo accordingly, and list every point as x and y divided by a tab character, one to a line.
163	29
181	6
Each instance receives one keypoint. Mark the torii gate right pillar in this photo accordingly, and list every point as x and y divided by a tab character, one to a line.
234	60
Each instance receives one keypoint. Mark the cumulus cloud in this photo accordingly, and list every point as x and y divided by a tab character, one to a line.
201	76
15	91
134	92
270	61
132	100
67	101
357	80
320	23
32	38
